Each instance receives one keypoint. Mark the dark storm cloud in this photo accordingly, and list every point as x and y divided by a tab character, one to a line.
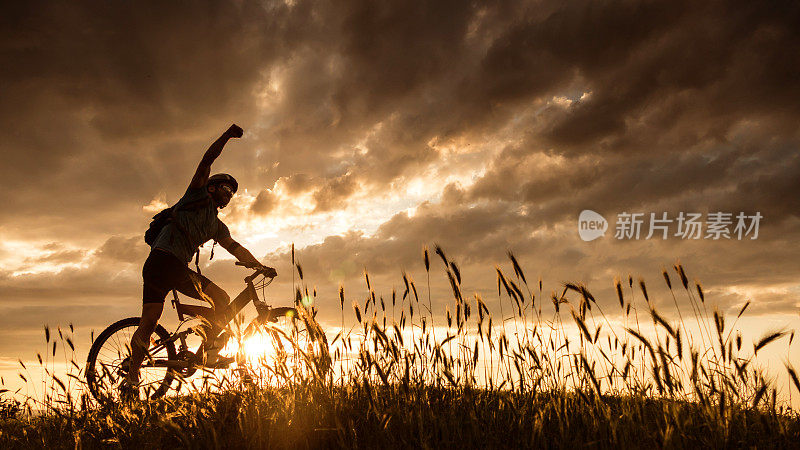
663	78
716	62
112	85
730	178
687	106
399	241
374	77
137	69
96	94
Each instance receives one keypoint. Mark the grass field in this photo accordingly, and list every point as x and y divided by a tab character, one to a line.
368	416
553	370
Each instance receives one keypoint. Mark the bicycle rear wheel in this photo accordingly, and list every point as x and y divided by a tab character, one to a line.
108	362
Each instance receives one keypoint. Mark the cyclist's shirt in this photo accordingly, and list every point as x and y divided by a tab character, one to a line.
197	215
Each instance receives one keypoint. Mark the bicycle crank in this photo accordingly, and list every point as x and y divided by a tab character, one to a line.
187	357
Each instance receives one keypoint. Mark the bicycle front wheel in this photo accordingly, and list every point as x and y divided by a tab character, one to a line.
109	362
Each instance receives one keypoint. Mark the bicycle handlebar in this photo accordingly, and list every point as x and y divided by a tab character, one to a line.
260	269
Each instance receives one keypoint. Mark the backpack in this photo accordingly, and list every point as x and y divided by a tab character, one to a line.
158	223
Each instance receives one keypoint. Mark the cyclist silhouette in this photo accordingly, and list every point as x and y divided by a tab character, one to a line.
193	222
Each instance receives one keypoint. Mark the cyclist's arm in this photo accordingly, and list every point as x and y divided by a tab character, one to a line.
235	249
200	177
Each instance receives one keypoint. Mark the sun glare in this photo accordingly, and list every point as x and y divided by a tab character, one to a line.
254	348
268	345
258	346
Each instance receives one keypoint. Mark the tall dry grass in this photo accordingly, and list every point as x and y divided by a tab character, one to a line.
526	368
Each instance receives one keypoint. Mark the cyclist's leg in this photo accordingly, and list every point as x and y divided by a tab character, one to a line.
151	312
155	285
197	286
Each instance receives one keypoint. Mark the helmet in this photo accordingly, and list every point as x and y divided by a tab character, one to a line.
223	178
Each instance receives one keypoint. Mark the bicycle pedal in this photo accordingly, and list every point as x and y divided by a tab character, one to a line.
220	362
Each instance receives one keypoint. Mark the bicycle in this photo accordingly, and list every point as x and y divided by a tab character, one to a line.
108	361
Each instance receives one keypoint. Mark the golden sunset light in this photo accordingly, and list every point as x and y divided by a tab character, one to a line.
476	213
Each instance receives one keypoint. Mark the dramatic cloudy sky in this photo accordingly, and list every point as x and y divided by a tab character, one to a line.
375	128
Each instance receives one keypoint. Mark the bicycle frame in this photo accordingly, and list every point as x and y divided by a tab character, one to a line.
247	295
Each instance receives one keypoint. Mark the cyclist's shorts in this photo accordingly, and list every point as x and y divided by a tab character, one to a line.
163	272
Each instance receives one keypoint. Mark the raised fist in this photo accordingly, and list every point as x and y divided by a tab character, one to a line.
235	131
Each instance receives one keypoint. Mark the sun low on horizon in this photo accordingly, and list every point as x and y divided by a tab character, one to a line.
439	186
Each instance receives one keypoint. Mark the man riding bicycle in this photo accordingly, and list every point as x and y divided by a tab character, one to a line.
193	221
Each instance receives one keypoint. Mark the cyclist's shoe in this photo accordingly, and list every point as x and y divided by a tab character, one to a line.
128	392
218	362
212	359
